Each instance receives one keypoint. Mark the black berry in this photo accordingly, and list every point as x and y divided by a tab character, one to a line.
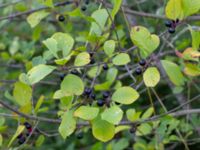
80	135
132	130
168	23
117	103
92	96
61	18
106	94
92	61
138	71
87	91
87	2
21	140
83	8
27	125
100	103
142	62
62	76
171	30
105	67
75	72
20	135
91	54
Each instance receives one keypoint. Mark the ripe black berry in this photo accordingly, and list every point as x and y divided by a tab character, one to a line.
93	96
171	30
87	2
168	23
92	61
80	135
91	54
106	94
100	103
138	71
83	8
142	62
27	125
20	135
87	91
132	130
21	140
62	76
75	72
61	18
117	103
105	67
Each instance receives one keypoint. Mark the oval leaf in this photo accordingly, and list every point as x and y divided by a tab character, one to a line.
125	95
72	85
151	77
82	59
113	115
86	112
109	47
121	59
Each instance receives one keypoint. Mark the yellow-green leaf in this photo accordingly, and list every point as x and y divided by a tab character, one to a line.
121	59
151	77
125	95
86	112
82	59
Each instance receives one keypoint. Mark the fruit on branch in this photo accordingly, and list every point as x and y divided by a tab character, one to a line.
106	94
83	8
61	18
142	62
132	129
92	61
100	102
75	72
168	23
87	2
138	71
21	140
62	76
105	67
80	135
92	96
171	30
27	125
87	91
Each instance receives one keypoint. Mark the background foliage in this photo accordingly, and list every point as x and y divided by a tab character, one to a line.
104	74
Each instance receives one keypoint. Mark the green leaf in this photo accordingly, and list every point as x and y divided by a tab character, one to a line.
111	74
112	115
68	124
143	129
39	72
20	129
121	128
100	16
174	10
148	113
1	140
190	7
39	141
192	70
117	5
64	42
121	59
174	72
86	112
39	103
35	18
51	44
102	130
195	39
48	3
125	95
64	60
151	77
132	115
22	93
109	47
72	85
24	79
82	59
144	40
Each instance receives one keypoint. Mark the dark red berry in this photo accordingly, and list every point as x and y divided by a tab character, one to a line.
83	8
106	94
100	103
61	18
171	30
168	23
105	67
27	125
138	71
142	62
87	91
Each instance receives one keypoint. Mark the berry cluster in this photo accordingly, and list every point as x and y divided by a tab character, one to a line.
171	24
21	137
138	70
